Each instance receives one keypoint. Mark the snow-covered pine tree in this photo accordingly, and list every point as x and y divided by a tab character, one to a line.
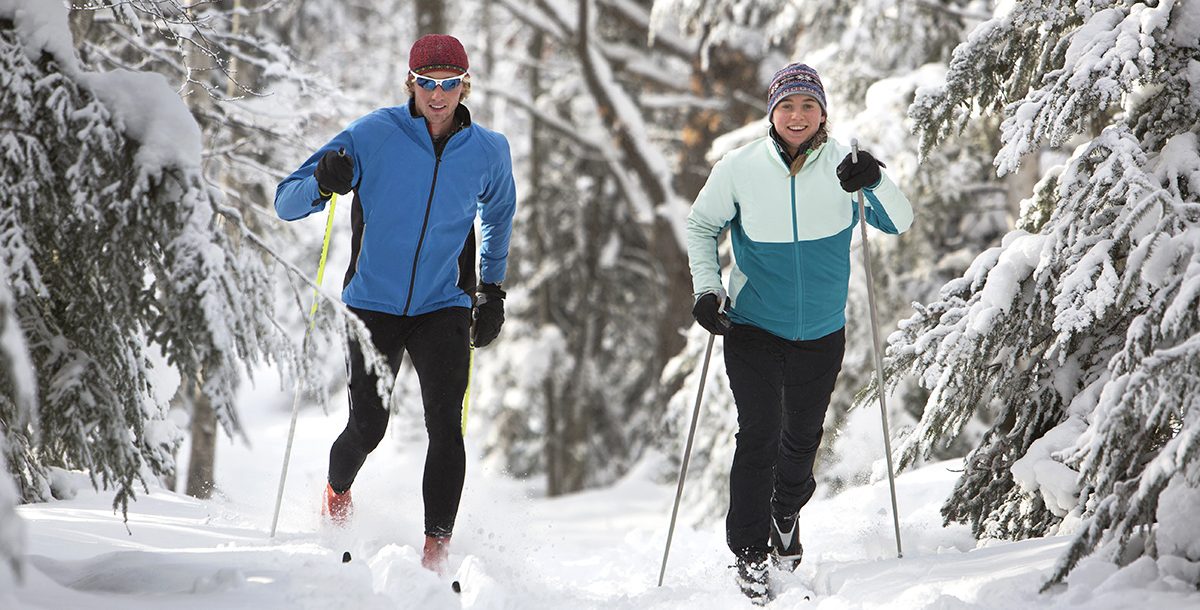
114	247
12	532
258	108
1082	330
17	386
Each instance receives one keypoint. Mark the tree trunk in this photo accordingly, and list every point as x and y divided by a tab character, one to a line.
431	17
201	479
552	445
729	72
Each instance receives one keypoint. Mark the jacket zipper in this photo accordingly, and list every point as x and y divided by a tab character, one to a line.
796	259
412	280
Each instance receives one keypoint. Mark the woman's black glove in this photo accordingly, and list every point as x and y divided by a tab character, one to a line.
710	315
857	176
335	172
488	314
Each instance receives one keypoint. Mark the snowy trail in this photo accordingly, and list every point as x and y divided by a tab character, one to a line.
512	547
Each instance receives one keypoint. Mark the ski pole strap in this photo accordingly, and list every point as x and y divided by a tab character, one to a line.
321	267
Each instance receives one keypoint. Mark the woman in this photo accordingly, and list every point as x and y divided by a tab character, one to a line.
786	200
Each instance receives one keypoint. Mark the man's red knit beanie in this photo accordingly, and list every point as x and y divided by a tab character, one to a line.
437	52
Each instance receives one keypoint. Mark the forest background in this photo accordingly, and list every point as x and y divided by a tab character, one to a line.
1041	315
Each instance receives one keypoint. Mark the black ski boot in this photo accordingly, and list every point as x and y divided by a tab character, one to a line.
786	550
752	575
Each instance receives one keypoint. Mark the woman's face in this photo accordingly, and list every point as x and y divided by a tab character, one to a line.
797	119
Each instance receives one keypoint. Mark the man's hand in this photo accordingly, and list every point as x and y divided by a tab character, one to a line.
488	314
335	172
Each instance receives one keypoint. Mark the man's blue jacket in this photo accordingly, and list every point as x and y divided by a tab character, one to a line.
414	209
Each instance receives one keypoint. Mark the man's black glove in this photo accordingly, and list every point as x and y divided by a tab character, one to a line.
488	314
857	176
709	315
335	172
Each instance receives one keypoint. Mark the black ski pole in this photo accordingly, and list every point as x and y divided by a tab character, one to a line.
687	453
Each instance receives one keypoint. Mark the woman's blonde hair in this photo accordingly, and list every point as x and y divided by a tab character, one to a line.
410	86
816	142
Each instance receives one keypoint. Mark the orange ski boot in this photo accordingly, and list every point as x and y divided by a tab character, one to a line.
436	554
337	506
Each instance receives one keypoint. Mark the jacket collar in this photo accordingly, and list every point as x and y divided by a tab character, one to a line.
415	126
779	148
462	116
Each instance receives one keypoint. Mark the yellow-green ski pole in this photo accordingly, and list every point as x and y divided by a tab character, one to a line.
470	373
312	319
467	396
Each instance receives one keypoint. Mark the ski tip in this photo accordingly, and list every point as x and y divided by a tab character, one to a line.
457	587
346	557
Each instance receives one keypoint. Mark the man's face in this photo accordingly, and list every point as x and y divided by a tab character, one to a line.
438	105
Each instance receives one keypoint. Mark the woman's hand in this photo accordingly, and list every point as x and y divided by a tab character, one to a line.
859	175
710	314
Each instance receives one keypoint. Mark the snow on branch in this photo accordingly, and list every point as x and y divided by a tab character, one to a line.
191	34
1104	59
992	67
622	117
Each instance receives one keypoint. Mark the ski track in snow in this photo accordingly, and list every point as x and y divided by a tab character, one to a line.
512	547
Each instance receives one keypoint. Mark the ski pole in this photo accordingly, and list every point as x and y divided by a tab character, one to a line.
312	319
687	453
887	443
470	373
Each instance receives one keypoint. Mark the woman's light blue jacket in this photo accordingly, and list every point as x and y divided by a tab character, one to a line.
791	237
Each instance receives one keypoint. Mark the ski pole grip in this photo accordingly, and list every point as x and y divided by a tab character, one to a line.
854	150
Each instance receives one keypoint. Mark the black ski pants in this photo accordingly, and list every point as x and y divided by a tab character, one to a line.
782	390
438	343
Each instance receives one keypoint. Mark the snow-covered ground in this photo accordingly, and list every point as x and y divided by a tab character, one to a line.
514	548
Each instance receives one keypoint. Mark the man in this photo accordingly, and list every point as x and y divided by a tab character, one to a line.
419	172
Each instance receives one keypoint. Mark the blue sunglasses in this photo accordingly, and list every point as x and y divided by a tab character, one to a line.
429	84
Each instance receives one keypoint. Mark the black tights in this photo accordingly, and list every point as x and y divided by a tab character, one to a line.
439	346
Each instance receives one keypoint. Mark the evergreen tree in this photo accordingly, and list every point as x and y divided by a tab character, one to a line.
12	543
1081	332
16	373
114	246
249	96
